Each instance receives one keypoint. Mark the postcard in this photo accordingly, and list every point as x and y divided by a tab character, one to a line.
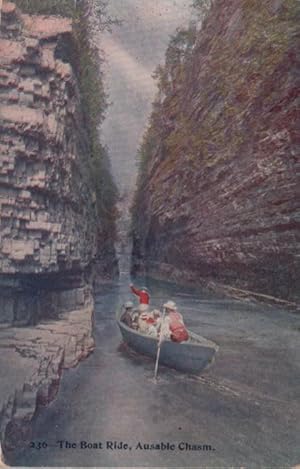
149	246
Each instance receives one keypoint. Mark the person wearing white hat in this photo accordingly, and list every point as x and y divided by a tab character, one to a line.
173	326
127	315
170	305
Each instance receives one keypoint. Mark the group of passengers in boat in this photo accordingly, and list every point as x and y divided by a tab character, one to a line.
169	325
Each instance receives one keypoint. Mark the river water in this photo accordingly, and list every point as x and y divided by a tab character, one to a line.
245	407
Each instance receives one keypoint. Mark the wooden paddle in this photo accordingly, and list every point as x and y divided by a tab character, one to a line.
159	344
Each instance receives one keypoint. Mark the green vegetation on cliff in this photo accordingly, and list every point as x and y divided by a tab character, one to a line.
169	78
236	74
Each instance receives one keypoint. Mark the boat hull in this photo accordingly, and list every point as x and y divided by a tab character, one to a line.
186	357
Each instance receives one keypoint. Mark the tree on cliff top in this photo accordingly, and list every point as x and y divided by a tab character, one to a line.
180	46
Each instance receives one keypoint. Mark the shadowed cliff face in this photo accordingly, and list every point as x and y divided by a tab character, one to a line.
217	193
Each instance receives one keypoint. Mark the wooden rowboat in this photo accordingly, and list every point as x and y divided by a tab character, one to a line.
190	357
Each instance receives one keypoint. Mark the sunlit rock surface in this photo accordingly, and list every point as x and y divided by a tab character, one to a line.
217	199
47	207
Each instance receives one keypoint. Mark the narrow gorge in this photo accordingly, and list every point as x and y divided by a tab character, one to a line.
57	231
217	192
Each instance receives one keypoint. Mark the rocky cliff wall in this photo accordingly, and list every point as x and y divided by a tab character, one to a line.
50	231
216	201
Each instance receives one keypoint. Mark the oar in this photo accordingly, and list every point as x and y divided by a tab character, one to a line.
159	344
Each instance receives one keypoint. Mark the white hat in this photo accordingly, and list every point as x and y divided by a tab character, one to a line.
128	304
170	305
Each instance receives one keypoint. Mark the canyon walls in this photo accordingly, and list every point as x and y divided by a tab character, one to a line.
216	200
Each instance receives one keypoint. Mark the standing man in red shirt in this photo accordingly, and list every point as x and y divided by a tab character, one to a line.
143	295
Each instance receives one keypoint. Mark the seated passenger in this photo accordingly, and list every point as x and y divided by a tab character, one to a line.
173	326
144	320
127	316
135	317
153	323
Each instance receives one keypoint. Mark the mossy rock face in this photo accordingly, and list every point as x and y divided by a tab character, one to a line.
226	123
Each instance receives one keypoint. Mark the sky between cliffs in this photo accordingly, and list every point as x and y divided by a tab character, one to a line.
132	53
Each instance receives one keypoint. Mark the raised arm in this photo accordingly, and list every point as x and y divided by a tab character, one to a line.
134	290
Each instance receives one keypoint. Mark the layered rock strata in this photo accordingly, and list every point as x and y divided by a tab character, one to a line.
217	199
50	231
48	217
